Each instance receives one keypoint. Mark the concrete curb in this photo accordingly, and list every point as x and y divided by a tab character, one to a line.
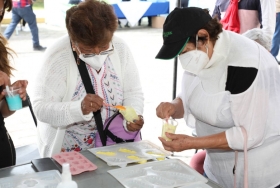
8	20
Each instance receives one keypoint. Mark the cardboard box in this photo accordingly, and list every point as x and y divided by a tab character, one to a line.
158	21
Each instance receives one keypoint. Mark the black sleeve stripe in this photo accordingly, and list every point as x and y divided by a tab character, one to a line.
239	79
249	4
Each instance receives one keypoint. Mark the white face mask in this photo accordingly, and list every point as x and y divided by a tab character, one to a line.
194	61
95	62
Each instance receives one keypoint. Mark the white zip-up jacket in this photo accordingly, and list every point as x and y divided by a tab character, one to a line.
217	108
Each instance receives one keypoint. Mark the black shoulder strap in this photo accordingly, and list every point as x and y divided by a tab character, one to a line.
89	89
31	109
110	120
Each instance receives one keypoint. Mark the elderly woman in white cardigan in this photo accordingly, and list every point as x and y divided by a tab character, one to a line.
61	103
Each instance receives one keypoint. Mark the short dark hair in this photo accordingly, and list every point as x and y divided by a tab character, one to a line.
213	27
91	23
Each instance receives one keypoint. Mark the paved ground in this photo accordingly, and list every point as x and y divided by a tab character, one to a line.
156	77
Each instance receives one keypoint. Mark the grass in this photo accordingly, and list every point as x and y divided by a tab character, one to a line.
38	4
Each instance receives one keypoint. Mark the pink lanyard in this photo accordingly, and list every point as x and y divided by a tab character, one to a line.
245	160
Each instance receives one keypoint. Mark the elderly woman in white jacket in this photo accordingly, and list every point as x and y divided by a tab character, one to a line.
231	87
61	103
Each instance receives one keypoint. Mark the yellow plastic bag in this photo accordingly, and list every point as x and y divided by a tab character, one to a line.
129	114
168	125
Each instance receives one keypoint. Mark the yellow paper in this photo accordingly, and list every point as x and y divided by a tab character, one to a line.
107	153
127	150
160	158
133	157
155	154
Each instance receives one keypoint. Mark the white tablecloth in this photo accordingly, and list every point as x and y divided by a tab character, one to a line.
132	15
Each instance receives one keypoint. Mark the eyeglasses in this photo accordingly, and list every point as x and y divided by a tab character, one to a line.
107	52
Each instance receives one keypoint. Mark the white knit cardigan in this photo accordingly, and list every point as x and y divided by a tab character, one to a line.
56	84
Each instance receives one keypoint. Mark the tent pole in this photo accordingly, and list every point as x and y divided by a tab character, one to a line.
175	77
179	3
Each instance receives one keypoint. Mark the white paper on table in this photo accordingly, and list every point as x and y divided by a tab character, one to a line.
166	173
134	10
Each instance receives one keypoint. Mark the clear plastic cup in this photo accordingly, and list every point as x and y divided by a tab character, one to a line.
129	114
13	99
168	125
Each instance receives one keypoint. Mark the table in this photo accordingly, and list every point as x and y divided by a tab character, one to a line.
94	179
133	11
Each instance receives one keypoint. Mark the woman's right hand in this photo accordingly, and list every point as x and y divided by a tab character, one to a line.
91	103
165	110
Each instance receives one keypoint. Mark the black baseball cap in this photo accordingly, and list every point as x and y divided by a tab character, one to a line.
179	26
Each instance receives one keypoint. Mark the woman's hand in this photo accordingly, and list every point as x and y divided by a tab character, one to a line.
91	103
165	110
179	142
22	84
182	142
174	109
136	125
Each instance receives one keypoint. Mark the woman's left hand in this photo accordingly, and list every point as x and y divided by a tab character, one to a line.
136	125
22	84
179	142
